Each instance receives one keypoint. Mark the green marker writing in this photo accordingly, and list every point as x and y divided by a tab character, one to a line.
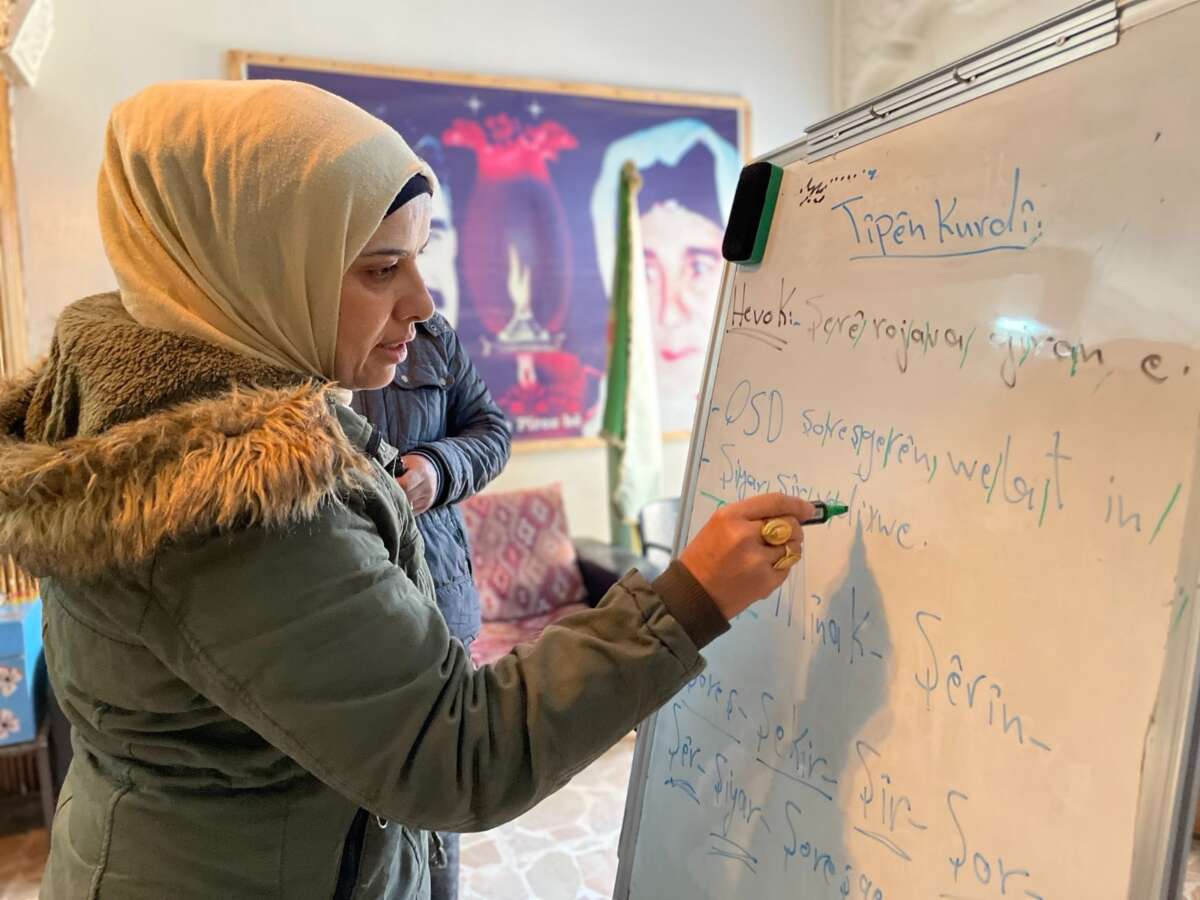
825	512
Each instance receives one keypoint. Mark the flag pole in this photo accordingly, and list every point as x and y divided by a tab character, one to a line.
631	425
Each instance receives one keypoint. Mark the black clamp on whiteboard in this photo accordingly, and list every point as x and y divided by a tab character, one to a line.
753	209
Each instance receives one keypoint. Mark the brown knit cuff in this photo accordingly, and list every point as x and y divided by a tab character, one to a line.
687	600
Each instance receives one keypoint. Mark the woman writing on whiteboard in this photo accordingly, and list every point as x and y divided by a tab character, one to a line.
240	624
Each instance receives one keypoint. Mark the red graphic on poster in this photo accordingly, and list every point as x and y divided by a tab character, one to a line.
548	395
515	254
515	207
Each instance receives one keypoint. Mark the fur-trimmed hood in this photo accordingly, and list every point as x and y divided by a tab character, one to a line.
126	438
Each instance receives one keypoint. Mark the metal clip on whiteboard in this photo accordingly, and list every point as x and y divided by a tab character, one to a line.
1057	42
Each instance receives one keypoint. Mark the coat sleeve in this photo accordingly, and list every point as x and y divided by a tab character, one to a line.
314	638
478	441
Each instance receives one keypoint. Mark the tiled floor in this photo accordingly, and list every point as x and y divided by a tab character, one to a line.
565	849
23	848
21	861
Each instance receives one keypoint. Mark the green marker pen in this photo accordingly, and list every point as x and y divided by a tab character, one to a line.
825	512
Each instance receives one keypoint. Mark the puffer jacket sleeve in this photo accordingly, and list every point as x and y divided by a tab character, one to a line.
314	638
478	440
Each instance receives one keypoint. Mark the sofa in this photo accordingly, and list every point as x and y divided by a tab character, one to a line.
529	571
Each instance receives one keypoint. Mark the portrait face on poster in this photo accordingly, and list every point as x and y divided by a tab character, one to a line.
522	246
438	263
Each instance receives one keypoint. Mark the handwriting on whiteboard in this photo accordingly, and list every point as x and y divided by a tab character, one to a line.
722	736
1025	473
914	341
948	229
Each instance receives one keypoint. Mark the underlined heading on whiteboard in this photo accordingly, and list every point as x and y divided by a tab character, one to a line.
942	229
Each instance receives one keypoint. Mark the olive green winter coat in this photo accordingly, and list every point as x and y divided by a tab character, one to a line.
241	628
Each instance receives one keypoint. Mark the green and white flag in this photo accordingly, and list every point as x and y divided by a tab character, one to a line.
632	425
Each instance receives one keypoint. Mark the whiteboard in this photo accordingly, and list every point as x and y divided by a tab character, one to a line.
981	331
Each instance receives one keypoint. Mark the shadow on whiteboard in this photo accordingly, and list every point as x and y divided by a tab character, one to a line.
820	753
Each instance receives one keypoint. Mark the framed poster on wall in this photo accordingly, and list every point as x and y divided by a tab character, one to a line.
521	255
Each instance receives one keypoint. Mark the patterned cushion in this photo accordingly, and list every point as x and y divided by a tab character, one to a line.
523	557
496	639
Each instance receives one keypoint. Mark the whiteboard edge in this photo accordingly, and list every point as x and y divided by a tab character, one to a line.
1169	778
640	768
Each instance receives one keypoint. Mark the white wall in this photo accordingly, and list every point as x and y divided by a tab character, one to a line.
773	52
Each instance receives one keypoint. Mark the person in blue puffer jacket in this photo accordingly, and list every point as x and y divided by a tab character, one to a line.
453	439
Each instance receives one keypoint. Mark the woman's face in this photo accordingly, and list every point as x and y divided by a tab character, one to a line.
383	298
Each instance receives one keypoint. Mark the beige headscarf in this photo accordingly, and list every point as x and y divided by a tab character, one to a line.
230	210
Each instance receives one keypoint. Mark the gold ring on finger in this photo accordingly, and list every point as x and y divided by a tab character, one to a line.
776	532
788	559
